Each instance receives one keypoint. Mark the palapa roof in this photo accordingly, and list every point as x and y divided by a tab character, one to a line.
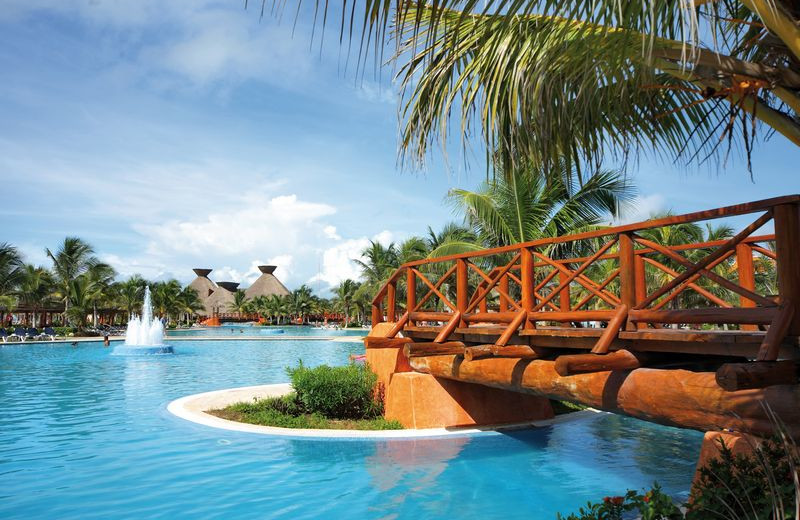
266	284
217	297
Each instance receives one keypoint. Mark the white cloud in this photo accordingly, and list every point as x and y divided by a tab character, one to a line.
642	208
330	232
377	93
338	262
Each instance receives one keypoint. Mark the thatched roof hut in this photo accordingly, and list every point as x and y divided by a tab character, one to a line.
266	284
217	297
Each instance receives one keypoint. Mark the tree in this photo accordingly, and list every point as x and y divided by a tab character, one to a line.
35	288
582	80
188	302
301	302
240	303
72	258
525	206
10	275
130	294
102	276
344	293
165	298
276	307
79	303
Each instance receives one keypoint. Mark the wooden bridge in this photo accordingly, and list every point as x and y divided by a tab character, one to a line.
621	318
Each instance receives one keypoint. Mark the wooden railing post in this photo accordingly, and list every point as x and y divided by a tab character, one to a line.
462	288
391	302
528	279
627	274
377	314
504	287
411	292
564	302
747	279
640	284
787	249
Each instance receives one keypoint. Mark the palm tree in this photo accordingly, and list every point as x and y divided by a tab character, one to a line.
548	79
378	262
80	291
10	275
73	258
276	307
525	206
451	239
35	288
165	297
131	293
102	276
301	302
188	302
344	294
240	303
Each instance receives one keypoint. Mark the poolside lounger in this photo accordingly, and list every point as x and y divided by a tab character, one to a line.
50	333
17	335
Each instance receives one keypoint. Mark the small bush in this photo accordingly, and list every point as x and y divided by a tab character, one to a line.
653	505
346	392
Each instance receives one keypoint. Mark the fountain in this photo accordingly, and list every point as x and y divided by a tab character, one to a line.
145	334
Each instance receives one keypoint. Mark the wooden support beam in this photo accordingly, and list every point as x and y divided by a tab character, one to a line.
777	331
448	329
430	316
377	314
462	288
611	331
401	323
787	247
757	315
503	285
760	374
477	352
627	274
521	351
391	299
528	283
411	292
371	342
512	328
564	301
683	398
434	349
584	363
601	315
641	284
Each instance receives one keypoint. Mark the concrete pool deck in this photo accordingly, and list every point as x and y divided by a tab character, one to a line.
194	407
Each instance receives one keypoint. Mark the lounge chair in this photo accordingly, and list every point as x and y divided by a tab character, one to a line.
50	333
31	334
18	335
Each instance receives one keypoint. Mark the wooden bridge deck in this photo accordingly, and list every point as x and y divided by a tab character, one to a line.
604	299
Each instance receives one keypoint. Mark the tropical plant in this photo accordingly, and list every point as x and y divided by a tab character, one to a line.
79	303
582	80
165	298
35	288
345	294
524	206
378	262
240	302
102	277
72	259
10	274
301	302
130	294
188	302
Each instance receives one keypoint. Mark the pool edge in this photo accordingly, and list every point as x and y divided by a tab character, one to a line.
191	408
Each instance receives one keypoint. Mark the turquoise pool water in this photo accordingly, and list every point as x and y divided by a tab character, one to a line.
86	435
238	330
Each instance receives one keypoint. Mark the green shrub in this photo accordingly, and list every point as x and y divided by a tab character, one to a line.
346	392
653	505
744	486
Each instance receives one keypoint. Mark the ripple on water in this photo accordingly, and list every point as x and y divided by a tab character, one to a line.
86	435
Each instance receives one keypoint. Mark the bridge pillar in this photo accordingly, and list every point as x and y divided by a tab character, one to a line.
787	249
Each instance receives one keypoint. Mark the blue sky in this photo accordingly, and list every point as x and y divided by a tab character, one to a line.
185	134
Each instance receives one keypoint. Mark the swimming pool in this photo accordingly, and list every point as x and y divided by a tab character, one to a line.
86	435
250	330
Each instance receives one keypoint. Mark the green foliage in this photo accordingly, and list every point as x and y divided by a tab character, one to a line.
564	407
289	412
652	505
346	392
757	487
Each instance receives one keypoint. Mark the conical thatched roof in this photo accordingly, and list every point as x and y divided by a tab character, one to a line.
266	284
205	288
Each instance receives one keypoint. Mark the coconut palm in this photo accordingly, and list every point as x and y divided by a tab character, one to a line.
130	294
524	205
72	258
188	302
35	288
301	302
581	79
165	298
240	303
345	293
102	277
10	275
276	307
378	262
79	303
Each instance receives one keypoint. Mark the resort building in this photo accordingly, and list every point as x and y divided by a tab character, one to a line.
217	296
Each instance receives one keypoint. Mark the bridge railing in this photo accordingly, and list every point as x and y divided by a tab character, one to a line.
631	277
